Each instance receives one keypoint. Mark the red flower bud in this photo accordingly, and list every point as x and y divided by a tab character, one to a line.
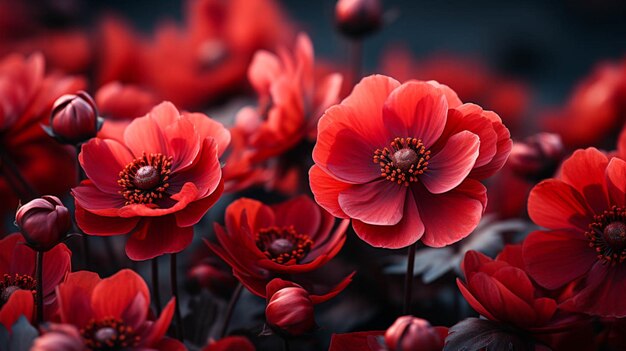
44	222
411	333
74	118
358	18
290	311
537	157
213	275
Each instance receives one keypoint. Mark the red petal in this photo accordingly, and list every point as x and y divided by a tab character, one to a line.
114	295
158	236
378	203
503	148
291	213
159	328
194	212
102	160
616	181
409	230
209	128
585	172
556	258
416	109
74	297
98	225
451	216
144	135
258	215
557	205
450	166
96	201
326	191
603	292
21	302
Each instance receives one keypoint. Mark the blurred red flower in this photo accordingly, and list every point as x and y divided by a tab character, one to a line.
230	343
261	242
114	311
26	98
291	99
156	185
18	284
586	241
403	161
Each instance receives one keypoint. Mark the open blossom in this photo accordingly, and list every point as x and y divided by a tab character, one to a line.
584	212
403	161
261	242
26	98
18	284
155	185
111	312
292	96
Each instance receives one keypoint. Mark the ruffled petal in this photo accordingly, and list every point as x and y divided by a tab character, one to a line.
113	296
102	160
93	224
557	205
96	201
290	213
144	135
326	191
585	172
156	237
616	181
377	203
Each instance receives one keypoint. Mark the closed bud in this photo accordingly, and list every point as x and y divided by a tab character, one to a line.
409	333
44	222
358	18
74	118
290	311
538	157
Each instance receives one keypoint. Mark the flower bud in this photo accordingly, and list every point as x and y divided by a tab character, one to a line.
358	18
409	333
74	118
44	222
538	157
290	311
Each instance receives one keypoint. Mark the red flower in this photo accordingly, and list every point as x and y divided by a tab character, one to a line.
403	161
358	341
500	291
26	98
261	242
584	210
156	185
291	100
18	284
411	333
230	343
114	311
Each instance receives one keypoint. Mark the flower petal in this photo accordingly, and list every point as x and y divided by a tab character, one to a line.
112	296
158	236
326	191
557	205
584	171
378	203
102	160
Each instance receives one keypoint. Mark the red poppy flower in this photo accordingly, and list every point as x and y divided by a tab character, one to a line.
17	288
403	161
500	291
230	343
261	242
156	185
292	97
114	311
586	241
26	98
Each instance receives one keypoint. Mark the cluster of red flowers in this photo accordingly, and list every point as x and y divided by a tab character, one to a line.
277	187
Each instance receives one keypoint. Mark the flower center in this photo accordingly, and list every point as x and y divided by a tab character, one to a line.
109	334
403	160
607	235
145	179
12	283
283	245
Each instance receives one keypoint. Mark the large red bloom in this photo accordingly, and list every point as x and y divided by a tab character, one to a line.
584	211
114	311
18	284
156	185
292	98
262	242
26	98
403	161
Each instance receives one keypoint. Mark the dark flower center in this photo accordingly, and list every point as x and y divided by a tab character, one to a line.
607	235
283	245
145	179
12	283
109	334
403	160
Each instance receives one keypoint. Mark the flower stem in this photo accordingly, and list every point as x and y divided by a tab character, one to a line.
408	279
174	282
155	285
285	344
356	59
231	308
85	241
39	291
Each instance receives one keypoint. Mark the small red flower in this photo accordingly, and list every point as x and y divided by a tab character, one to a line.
585	212
18	284
403	161
156	185
292	97
261	242
26	99
500	291
113	311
